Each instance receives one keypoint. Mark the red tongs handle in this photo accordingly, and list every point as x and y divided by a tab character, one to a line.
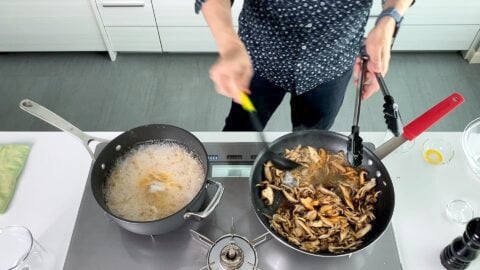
432	116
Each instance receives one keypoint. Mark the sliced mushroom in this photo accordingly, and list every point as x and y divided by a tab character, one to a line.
307	203
267	171
267	195
365	188
362	232
314	157
320	218
323	156
298	232
307	191
363	174
326	221
316	224
339	167
311	215
346	196
343	233
294	241
302	225
326	235
289	197
327	192
311	246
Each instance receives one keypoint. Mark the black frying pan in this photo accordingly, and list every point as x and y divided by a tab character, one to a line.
122	144
372	163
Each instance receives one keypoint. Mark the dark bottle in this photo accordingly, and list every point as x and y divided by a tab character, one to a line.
463	249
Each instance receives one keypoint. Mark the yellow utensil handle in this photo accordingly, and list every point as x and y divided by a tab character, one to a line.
246	103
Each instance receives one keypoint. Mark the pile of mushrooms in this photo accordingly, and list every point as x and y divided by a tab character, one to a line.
325	205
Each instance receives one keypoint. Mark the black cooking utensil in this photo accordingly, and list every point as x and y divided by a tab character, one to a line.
390	109
278	161
354	144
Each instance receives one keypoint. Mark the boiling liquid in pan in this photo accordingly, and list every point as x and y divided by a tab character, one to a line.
153	181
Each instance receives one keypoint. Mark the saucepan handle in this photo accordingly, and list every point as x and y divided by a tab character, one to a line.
53	119
211	205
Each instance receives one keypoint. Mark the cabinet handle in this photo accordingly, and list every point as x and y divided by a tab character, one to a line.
123	3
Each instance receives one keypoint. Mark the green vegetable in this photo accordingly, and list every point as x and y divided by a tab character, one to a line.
12	161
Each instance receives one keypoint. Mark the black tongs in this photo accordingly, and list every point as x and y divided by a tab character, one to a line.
390	113
354	145
390	109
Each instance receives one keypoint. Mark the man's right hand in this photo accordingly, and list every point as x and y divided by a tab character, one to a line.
233	71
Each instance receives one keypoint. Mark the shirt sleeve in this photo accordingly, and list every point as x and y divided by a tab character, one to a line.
198	5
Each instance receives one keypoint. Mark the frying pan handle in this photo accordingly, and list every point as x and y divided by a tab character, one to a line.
211	205
420	124
53	119
432	116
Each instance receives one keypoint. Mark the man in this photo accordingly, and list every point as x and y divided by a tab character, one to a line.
305	47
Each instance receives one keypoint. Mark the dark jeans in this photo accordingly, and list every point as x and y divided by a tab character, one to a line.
315	109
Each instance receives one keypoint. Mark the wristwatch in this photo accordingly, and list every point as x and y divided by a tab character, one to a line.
391	12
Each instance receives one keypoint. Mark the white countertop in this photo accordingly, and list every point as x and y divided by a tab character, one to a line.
50	189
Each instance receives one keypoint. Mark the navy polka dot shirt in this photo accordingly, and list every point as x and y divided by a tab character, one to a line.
299	44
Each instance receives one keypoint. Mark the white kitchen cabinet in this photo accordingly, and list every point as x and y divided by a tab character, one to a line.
49	25
134	39
435	37
430	25
187	39
146	25
126	12
130	25
443	12
181	13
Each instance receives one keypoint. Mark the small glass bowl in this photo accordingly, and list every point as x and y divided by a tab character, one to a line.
459	211
437	151
20	251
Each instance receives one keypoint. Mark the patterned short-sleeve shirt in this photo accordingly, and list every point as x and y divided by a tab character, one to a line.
299	44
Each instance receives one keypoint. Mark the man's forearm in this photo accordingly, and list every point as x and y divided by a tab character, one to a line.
218	15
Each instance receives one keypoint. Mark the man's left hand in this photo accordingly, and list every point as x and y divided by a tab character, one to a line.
377	45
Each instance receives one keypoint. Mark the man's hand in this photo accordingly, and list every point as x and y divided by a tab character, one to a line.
377	45
233	71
